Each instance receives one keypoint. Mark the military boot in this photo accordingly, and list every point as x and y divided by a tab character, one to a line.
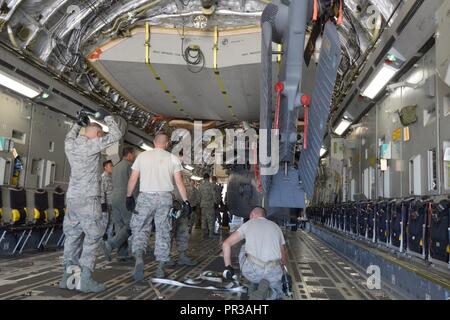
160	272
170	263
87	284
184	260
138	274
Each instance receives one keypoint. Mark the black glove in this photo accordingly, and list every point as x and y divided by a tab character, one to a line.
228	273
82	118
186	208
104	207
130	204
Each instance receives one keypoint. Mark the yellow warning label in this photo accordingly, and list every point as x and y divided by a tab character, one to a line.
397	134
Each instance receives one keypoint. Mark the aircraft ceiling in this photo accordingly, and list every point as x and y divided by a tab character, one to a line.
61	34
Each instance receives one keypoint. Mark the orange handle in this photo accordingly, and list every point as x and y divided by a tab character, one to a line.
315	10
341	13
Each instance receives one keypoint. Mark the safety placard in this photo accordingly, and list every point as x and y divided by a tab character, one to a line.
397	134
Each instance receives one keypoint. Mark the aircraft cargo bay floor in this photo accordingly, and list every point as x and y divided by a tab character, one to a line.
318	273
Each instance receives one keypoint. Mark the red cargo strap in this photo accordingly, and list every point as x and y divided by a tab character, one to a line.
279	87
256	171
306	101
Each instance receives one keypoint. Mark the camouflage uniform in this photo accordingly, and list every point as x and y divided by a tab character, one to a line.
181	232
149	206
120	215
106	192
218	200
255	271
207	202
181	226
106	188
84	214
194	199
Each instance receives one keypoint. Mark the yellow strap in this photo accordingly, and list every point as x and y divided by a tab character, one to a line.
37	214
448	248
56	211
15	215
220	84
171	97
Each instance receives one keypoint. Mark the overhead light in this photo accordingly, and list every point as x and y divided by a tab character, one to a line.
342	127
380	81
45	95
105	128
18	86
146	147
323	151
195	178
190	168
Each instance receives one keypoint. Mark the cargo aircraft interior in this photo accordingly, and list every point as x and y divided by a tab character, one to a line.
229	150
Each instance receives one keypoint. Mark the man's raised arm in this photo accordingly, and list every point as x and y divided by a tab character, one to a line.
71	136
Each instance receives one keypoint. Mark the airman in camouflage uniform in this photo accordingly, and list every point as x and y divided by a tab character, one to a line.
218	200
84	214
207	203
181	235
156	170
106	192
106	186
120	215
194	199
